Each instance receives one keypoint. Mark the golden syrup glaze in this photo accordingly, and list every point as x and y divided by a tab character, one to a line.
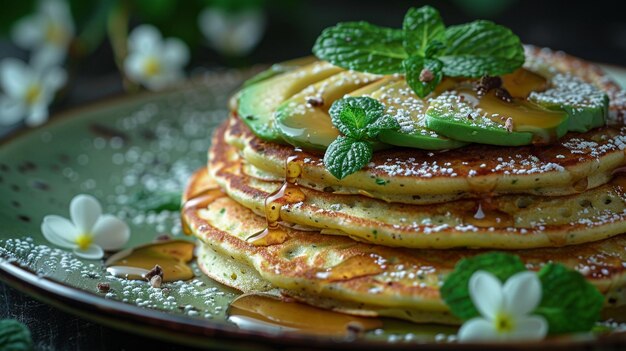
171	255
288	193
354	267
259	310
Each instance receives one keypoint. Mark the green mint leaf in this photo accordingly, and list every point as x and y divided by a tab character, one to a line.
569	302
345	156
385	122
421	26
480	48
14	336
363	47
423	74
353	116
455	290
156	201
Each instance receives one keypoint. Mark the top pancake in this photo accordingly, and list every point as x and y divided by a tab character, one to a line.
575	163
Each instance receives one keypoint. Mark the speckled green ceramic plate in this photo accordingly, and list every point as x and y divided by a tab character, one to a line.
134	154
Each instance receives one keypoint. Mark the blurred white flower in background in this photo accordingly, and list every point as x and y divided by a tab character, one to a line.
47	33
28	90
153	61
89	232
232	33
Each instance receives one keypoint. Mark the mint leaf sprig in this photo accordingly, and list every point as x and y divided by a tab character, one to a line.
569	302
14	336
360	120
424	50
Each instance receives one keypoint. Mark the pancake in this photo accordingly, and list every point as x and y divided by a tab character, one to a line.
576	162
508	222
352	277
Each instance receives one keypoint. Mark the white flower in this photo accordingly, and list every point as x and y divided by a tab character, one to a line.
233	34
47	32
152	61
28	90
505	309
89	232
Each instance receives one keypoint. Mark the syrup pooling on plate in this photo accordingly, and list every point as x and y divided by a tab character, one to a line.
172	256
265	312
288	193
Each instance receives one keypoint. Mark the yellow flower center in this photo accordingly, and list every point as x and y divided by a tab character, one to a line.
84	241
152	67
33	93
504	323
55	34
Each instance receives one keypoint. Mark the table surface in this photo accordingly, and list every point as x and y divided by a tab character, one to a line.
52	329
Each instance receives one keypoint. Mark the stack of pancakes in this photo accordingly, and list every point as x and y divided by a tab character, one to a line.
381	241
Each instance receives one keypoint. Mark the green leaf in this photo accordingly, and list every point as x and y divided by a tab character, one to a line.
421	26
414	66
354	115
14	336
345	156
363	47
156	201
455	290
569	302
385	122
480	48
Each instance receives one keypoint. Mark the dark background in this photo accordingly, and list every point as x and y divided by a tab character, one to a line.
594	30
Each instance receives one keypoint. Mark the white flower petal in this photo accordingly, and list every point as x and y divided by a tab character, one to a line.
53	78
522	293
11	110
133	67
60	227
37	115
144	39
15	76
28	32
163	80
486	292
53	235
47	56
85	211
529	328
477	329
93	252
175	53
232	34
110	233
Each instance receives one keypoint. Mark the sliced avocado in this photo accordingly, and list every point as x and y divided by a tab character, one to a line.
586	105
279	68
462	115
408	109
258	102
522	82
303	119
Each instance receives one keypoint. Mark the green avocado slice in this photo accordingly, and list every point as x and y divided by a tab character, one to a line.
279	68
258	101
586	105
408	109
303	119
462	115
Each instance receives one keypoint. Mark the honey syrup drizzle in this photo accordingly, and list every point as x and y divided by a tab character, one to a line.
354	267
172	256
260	311
288	193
